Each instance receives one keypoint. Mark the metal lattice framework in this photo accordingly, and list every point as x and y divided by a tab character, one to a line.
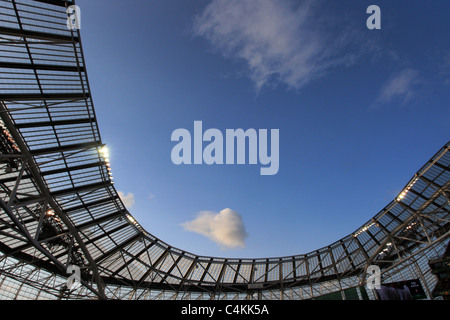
60	208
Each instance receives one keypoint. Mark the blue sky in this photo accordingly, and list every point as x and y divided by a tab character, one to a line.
359	111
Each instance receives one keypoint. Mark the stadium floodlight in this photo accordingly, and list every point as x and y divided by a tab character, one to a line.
104	152
52	218
131	219
405	191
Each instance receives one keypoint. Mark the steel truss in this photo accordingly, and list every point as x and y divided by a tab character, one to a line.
59	206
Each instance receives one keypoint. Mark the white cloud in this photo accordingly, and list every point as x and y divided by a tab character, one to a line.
127	199
275	39
226	227
401	85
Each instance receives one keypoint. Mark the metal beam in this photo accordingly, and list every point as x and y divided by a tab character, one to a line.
47	67
99	220
52	203
42	97
83	188
135	257
65	148
38	35
59	3
57	171
54	123
117	248
61	267
85	206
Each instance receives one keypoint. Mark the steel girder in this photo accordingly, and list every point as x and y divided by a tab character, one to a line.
51	163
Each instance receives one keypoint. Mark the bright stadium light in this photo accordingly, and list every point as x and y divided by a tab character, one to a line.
104	152
131	219
404	192
364	229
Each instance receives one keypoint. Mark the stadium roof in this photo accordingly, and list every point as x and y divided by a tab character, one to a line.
60	206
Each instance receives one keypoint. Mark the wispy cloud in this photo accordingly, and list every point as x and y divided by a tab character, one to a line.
401	86
274	38
127	199
226	227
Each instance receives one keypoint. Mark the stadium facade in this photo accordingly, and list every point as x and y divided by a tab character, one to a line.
59	207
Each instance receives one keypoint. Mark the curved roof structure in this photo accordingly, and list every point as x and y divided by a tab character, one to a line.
60	207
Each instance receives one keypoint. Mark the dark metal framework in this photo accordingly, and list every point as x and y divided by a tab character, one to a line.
59	206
